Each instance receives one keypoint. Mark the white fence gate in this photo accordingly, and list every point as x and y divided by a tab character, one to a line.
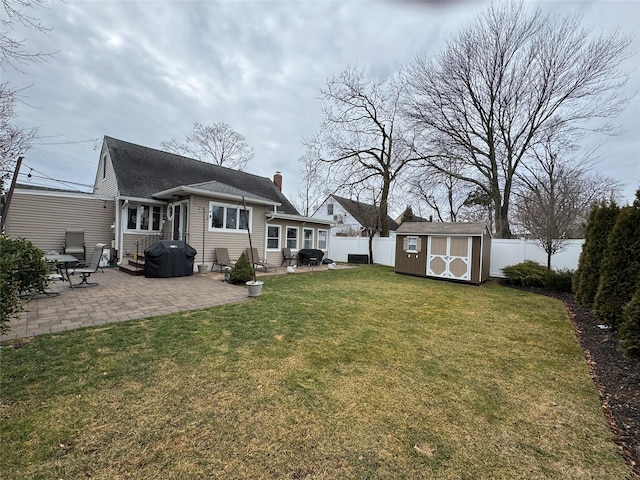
503	252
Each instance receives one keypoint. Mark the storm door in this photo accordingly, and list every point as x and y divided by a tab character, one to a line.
180	217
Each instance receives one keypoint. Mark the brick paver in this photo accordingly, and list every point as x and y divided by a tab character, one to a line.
120	297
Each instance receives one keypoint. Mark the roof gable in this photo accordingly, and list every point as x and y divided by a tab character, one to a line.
142	172
362	212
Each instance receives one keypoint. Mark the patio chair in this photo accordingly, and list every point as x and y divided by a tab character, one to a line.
74	244
288	256
257	263
85	272
221	259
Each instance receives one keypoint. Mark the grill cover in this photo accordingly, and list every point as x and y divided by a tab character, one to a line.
306	254
169	258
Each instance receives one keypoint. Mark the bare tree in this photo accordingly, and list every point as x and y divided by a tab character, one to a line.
316	185
500	84
443	193
361	138
14	54
217	143
13	51
556	195
14	140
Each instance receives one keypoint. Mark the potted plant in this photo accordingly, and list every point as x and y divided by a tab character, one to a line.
254	286
242	272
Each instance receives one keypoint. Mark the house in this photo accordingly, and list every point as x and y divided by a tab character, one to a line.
350	217
445	250
143	194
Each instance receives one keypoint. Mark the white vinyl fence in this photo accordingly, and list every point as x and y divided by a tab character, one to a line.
503	252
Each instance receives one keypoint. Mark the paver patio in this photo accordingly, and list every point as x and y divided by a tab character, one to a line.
120	297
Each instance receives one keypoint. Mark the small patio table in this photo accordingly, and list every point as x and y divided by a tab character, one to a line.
62	263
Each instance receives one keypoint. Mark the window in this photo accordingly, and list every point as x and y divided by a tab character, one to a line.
292	238
273	237
229	217
412	244
104	166
330	209
145	218
322	239
307	238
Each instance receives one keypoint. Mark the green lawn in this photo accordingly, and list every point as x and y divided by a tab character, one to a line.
357	373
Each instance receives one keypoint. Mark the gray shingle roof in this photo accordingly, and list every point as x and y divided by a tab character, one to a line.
441	228
362	212
143	171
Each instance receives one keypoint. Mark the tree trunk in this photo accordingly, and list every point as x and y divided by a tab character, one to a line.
384	207
371	247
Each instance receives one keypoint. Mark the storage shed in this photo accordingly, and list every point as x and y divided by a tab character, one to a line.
452	251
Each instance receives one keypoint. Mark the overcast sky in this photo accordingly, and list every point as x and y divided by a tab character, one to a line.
145	71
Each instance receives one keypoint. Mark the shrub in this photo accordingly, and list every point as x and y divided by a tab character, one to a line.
630	330
22	270
526	274
242	271
532	274
620	268
601	221
559	281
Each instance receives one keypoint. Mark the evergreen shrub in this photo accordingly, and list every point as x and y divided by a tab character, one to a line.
620	268
559	280
242	271
601	221
525	274
630	330
22	270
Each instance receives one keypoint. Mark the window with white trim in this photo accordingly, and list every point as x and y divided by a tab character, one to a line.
307	238
292	238
412	244
273	237
322	239
231	218
330	209
143	218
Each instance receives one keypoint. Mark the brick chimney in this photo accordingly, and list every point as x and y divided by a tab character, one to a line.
277	179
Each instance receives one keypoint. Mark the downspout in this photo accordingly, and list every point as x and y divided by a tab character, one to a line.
116	230
121	232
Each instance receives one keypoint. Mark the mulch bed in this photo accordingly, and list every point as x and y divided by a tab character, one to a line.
616	377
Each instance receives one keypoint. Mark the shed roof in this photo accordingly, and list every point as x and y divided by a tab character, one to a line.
143	172
442	228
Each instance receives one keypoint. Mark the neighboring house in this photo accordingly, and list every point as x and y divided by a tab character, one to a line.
349	216
152	194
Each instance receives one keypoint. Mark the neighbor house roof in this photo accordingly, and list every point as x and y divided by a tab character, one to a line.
442	228
143	172
362	212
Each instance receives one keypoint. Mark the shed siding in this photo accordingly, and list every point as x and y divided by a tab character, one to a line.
43	218
411	263
416	263
476	251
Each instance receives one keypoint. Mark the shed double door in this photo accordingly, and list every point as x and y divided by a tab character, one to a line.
449	257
